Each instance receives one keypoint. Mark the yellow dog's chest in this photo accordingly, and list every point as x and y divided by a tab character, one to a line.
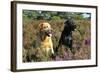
47	42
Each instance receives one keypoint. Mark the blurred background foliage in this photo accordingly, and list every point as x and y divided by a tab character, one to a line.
81	36
52	15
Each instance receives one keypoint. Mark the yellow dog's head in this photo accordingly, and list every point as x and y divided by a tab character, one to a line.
45	29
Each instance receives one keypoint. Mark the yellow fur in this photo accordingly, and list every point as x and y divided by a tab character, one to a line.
46	44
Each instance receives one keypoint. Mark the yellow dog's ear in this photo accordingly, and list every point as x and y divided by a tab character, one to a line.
40	26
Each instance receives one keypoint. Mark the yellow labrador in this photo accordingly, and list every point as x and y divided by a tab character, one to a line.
45	35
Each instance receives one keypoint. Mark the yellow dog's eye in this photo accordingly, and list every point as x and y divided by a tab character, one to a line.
46	27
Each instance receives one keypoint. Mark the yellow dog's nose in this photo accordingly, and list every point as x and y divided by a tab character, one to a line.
49	33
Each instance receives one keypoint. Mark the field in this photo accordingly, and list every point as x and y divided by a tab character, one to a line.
81	40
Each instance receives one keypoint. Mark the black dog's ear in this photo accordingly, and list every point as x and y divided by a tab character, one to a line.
66	23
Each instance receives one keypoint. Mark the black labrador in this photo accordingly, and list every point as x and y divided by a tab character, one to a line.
66	36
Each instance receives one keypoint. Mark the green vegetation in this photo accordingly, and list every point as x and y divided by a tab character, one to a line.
47	15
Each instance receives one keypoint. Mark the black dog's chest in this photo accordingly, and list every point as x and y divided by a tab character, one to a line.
67	40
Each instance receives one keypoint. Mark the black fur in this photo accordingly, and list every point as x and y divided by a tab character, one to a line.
66	36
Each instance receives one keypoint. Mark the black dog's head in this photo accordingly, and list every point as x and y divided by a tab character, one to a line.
69	24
